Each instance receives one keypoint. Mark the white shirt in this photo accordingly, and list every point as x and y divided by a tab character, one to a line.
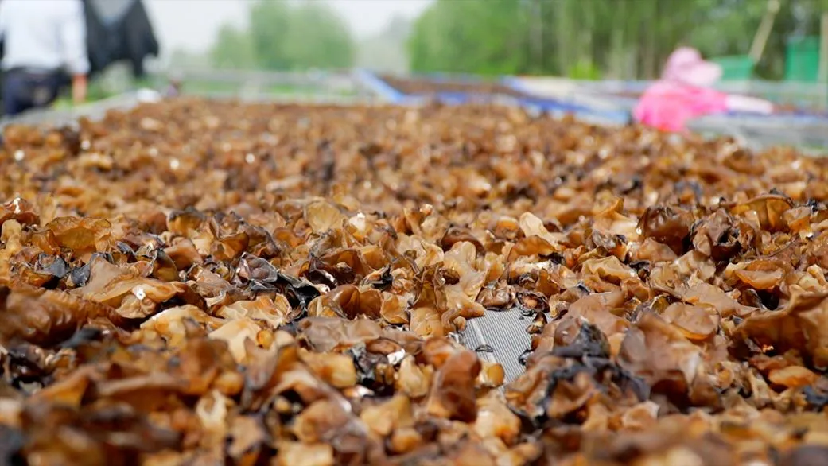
44	34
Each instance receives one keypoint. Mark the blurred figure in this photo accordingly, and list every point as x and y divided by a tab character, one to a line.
116	31
44	39
175	85
685	92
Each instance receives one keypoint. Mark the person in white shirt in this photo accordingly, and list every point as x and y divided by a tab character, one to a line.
44	39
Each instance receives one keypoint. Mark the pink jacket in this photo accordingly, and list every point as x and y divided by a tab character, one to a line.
685	92
668	105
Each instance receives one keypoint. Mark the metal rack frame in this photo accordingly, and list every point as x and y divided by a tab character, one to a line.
809	133
331	87
60	117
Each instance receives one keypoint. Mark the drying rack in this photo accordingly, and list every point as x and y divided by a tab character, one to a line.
501	332
807	134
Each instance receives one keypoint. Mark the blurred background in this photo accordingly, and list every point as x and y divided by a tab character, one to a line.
296	47
287	35
624	39
578	39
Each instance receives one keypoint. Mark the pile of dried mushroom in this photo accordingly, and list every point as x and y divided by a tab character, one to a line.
198	282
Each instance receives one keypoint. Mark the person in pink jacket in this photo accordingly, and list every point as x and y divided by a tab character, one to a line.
684	92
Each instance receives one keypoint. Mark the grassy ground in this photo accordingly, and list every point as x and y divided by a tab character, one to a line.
207	87
97	92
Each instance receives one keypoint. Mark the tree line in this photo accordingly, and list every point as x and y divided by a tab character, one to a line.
621	39
284	35
618	39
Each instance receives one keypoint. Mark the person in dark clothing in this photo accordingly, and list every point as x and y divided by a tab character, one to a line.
43	40
25	90
119	30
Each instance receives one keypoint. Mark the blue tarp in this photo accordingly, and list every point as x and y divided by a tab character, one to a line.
547	105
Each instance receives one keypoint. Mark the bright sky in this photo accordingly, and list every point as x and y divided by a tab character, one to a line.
191	24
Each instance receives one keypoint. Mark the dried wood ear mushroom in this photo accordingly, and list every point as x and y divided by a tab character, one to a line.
200	282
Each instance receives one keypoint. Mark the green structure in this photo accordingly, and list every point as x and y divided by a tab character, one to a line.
735	68
802	59
801	62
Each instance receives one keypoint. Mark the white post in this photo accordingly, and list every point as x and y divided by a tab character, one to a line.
764	31
823	61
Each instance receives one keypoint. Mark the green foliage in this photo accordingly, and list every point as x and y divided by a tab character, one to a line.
316	37
622	39
233	49
584	69
385	51
286	35
469	35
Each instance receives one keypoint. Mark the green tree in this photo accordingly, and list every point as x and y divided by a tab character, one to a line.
317	38
285	35
485	37
232	49
269	23
386	52
795	18
614	38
